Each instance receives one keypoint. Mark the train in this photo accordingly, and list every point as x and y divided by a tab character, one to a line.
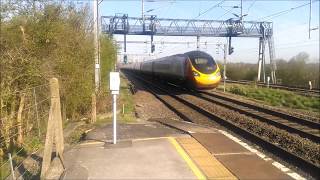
193	69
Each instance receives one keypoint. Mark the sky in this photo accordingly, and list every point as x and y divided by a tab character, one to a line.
290	26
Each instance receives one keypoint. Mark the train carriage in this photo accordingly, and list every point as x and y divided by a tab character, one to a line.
195	69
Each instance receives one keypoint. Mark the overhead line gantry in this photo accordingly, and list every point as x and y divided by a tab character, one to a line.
153	26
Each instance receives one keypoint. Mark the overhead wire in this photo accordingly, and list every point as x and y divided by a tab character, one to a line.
277	14
167	9
162	7
209	9
172	49
227	11
280	46
251	6
200	14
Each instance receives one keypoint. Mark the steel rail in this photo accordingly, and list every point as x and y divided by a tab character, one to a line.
312	92
305	122
283	154
270	118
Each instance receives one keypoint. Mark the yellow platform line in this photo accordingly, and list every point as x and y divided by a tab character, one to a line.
153	138
186	157
208	164
92	143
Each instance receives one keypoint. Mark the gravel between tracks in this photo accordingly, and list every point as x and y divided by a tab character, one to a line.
291	142
147	106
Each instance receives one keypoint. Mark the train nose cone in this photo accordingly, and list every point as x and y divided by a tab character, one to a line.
208	81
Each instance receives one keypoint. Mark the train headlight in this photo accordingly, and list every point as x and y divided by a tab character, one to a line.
195	73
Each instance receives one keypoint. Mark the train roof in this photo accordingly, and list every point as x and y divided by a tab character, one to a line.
190	54
193	54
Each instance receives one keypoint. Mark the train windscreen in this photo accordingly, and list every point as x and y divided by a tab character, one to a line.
203	62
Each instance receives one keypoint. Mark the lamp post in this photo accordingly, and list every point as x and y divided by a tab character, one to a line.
96	45
241	12
310	13
225	51
142	14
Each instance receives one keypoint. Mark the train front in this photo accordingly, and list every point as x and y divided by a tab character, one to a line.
204	71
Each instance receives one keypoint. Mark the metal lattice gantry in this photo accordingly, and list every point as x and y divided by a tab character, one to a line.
151	25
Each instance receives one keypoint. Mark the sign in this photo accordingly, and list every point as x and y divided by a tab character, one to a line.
114	81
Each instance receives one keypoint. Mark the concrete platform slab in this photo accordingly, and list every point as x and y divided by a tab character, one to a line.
186	126
240	161
144	159
132	131
246	166
218	143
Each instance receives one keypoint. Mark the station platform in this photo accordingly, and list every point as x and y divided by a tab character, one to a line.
167	149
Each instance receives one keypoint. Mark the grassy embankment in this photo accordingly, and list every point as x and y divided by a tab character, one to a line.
275	97
125	105
126	113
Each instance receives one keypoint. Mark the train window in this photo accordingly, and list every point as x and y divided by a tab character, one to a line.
201	61
204	65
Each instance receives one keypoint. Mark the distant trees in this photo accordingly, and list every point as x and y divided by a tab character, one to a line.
295	72
241	71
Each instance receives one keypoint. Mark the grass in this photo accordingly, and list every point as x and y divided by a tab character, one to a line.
126	102
125	113
275	97
4	170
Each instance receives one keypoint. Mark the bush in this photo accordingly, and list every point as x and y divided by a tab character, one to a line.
44	41
238	90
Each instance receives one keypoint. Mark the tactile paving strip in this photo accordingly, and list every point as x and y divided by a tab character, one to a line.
208	164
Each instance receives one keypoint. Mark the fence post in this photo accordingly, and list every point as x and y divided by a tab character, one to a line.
11	167
93	108
36	109
58	119
54	129
19	120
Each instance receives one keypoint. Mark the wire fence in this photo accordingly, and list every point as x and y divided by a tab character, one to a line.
23	122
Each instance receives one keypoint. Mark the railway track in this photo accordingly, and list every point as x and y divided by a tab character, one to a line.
300	90
164	94
303	127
